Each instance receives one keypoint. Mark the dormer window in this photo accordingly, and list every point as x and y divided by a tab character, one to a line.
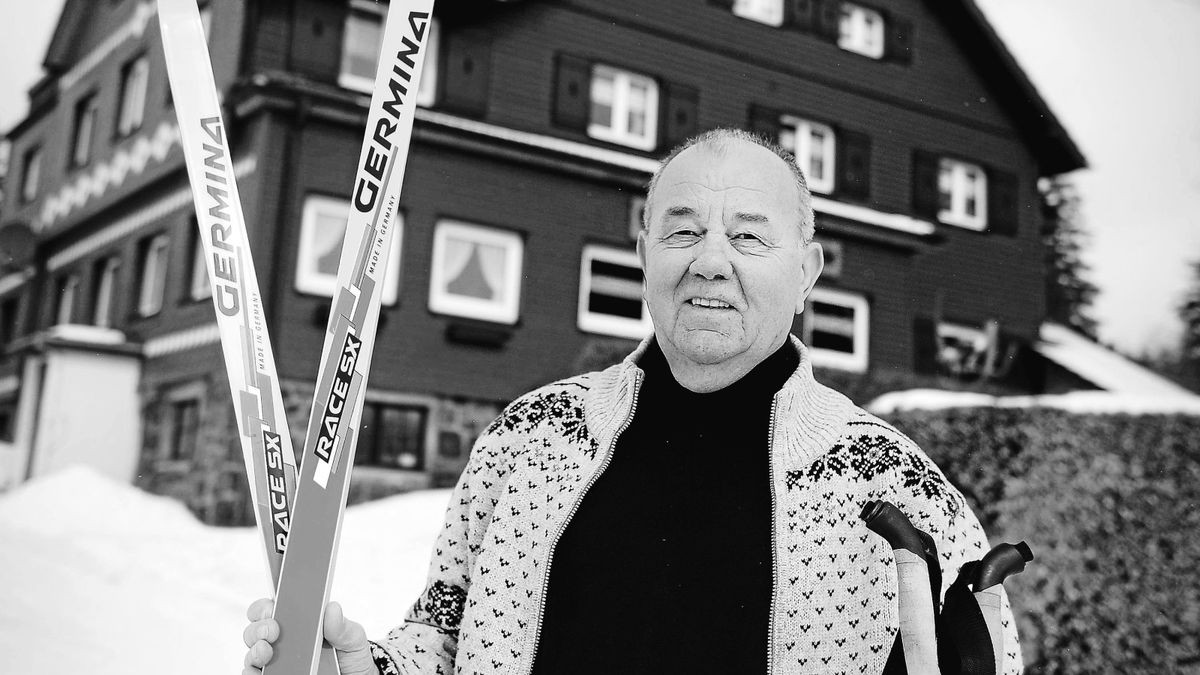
769	12
361	43
134	77
85	128
624	108
860	30
814	146
962	193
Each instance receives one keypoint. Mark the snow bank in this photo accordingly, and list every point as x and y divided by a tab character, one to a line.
1078	402
102	578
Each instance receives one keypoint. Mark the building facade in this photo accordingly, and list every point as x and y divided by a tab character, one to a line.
539	124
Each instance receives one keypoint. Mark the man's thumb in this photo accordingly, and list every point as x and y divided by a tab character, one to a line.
349	639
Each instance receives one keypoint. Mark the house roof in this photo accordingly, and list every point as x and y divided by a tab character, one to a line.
1103	367
1049	140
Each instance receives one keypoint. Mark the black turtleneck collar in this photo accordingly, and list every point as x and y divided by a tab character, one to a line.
762	381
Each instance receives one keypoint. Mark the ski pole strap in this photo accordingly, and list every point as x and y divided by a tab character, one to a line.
965	644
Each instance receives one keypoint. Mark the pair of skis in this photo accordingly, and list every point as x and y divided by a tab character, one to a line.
298	509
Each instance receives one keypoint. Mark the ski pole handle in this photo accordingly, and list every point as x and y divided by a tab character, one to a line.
1003	561
918	629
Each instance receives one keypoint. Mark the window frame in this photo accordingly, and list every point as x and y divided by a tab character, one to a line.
767	12
105	290
801	147
31	173
152	279
426	88
856	361
504	311
64	311
199	285
10	312
367	453
867	34
311	281
608	324
87	110
130	116
176	430
959	194
622	82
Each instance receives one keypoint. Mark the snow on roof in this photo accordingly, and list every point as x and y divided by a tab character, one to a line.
1103	367
1100	402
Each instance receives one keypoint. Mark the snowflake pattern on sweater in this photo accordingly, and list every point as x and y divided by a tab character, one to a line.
835	593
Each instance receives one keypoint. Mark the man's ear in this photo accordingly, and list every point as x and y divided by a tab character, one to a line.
813	262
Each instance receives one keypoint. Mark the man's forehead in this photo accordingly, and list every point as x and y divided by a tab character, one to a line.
736	171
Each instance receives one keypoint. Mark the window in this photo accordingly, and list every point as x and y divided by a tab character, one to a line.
198	288
134	77
834	258
322	230
814	146
860	30
962	194
624	108
184	429
85	127
962	350
33	174
106	286
361	43
9	308
8	418
476	272
610	294
391	436
68	289
769	12
835	326
206	22
154	274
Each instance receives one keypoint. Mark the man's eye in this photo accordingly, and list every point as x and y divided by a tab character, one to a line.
746	237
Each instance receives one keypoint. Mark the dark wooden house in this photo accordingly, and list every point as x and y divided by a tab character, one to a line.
540	122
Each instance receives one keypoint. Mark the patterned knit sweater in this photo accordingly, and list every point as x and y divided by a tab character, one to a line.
834	605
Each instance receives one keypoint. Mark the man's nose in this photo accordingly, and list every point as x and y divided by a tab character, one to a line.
712	259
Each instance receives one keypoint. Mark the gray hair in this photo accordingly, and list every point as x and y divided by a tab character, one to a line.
718	140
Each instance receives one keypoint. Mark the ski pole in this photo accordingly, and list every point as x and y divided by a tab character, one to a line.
1003	561
918	619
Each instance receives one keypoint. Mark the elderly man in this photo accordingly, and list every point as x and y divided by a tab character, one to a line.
693	509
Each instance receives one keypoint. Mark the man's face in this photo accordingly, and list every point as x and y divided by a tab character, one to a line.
726	268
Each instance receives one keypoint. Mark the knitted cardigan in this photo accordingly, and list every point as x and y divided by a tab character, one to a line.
834	604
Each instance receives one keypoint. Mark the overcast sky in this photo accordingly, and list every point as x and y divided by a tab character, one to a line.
1121	76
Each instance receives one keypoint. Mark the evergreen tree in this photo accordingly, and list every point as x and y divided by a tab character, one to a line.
1189	314
1069	293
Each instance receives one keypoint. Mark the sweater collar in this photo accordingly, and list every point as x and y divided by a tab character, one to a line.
807	415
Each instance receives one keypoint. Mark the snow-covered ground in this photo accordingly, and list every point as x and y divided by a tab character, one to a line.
98	577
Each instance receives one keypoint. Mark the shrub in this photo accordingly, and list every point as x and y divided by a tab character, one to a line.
1110	505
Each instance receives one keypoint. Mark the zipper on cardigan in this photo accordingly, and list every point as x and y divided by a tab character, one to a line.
774	553
537	634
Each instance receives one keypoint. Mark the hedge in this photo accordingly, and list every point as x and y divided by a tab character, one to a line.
1110	505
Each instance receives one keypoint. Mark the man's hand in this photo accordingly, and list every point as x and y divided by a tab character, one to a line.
345	636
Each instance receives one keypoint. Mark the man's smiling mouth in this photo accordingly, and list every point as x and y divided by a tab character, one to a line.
712	303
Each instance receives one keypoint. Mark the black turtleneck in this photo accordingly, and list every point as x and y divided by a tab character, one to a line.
666	566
